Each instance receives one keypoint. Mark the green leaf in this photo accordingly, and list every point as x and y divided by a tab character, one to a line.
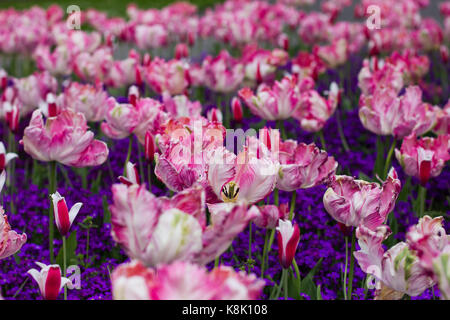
308	286
106	213
293	286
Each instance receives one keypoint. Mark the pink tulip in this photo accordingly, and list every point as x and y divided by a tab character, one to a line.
64	139
236	109
87	99
303	166
314	110
354	202
186	149
5	158
247	177
10	241
162	230
386	114
182	281
181	106
214	115
261	65
58	63
288	237
279	102
181	51
222	73
121	119
170	77
397	271
63	217
268	215
149	147
423	158
132	175
443	120
335	54
49	280
12	115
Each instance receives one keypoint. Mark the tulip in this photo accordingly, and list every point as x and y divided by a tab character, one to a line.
223	73
182	281
170	77
397	271
181	51
384	113
424	158
288	237
121	119
87	99
246	177
132	175
49	280
162	230
214	115
279	102
269	215
12	115
63	217
354	202
5	158
443	120
303	166
133	95
149	147
64	139
236	109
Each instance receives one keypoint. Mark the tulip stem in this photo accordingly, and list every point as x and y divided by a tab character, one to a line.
130	145
280	126
149	174
263	262
389	158
283	274
352	267
64	264
276	197
341	131
322	140
297	273
52	189
346	268
292	207
285	284
249	247
422	196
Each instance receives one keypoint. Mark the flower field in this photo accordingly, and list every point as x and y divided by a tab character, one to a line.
235	150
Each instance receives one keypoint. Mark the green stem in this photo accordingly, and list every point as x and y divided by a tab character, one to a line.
346	268
422	196
285	284
292	207
249	247
52	189
283	274
297	273
216	262
87	246
341	132
280	126
149	175
276	197
130	145
387	164
352	267
64	264
263	262
322	140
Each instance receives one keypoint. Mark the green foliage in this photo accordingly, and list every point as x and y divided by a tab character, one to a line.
71	247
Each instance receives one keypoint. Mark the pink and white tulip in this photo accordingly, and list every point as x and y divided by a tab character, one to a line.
288	237
63	217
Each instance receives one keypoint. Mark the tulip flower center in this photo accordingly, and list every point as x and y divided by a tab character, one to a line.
230	192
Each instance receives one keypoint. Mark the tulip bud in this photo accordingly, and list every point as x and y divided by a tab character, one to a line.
181	51
49	280
259	78
133	95
283	41
3	79
444	53
63	217
214	115
12	116
5	158
132	175
52	108
424	158
146	60
149	147
288	238
236	108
